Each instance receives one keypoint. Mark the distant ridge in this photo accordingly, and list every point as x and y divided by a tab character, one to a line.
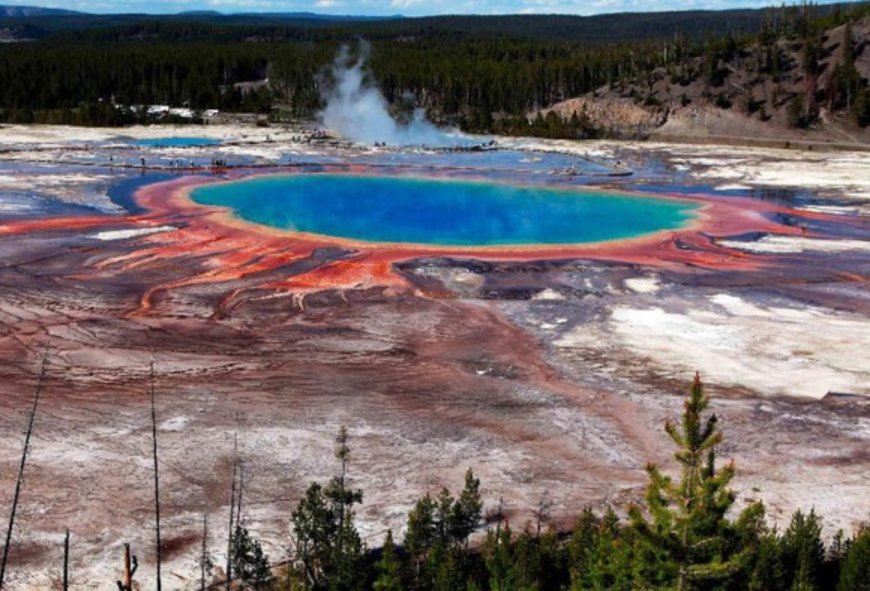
314	16
318	16
27	11
199	13
609	28
205	25
38	11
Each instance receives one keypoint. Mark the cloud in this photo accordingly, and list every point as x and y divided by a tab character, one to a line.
404	3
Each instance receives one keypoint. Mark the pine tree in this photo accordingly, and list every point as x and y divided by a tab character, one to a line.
467	509
855	574
537	561
419	537
581	548
762	567
610	564
443	517
387	567
803	550
602	553
421	526
861	107
526	567
250	563
795	112
834	559
553	561
811	69
314	529
688	529
849	75
499	559
445	563
327	544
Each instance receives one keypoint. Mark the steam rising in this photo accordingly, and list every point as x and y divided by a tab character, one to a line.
356	109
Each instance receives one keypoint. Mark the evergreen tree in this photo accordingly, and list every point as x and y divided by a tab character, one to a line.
314	529
419	537
250	564
444	517
526	569
849	77
553	559
803	551
811	66
537	561
795	114
855	574
387	567
834	559
602	553
467	509
347	547
445	564
328	547
610	563
861	107
762	566
688	530
583	540
499	559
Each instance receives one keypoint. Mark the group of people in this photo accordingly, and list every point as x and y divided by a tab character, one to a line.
175	163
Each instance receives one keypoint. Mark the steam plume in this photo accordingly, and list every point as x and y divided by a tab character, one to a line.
356	109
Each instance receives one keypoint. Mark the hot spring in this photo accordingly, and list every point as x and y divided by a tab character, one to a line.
442	212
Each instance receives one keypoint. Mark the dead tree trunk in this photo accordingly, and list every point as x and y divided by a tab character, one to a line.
131	564
241	492
232	510
542	514
66	562
156	478
20	479
203	557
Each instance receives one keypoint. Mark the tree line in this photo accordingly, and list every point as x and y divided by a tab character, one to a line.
685	535
461	70
462	78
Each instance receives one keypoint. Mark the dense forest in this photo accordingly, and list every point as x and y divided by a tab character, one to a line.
687	534
607	28
482	73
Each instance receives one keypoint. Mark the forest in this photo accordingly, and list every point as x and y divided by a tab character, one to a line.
481	73
687	534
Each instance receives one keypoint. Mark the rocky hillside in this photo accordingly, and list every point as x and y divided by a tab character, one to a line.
788	87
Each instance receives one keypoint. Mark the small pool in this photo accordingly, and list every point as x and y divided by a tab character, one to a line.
442	212
175	142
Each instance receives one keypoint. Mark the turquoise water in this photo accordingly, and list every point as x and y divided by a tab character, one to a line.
441	212
175	142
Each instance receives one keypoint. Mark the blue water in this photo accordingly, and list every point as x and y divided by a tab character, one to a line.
175	142
442	212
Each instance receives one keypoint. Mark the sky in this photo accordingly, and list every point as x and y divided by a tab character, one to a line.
391	7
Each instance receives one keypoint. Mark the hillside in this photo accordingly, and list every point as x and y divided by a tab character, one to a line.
784	88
